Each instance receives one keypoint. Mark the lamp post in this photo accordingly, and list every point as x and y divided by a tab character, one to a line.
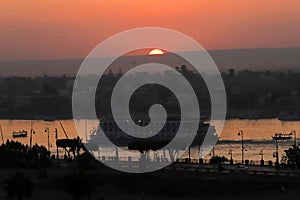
241	133
56	137
276	153
230	153
295	138
31	133
30	139
47	131
261	153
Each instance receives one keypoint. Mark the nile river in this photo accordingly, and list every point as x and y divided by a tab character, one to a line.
257	135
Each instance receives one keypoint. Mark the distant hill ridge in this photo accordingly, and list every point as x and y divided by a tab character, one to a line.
261	59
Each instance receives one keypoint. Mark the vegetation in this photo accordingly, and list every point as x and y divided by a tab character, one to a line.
249	94
291	158
15	154
218	160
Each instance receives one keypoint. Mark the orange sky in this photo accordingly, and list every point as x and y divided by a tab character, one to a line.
52	29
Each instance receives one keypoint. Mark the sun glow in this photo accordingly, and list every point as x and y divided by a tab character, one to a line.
156	52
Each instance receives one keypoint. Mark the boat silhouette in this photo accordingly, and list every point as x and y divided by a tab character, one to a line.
19	134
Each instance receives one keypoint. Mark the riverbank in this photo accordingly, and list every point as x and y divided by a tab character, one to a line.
70	117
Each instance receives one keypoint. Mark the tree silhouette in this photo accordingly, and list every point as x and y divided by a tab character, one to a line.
15	154
292	157
219	160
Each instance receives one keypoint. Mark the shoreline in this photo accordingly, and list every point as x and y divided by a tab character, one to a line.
71	118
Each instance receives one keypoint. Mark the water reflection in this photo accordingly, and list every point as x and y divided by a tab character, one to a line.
257	136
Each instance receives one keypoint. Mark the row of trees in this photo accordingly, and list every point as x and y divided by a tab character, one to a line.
265	94
18	155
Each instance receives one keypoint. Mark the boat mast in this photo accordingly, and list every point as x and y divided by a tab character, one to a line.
64	130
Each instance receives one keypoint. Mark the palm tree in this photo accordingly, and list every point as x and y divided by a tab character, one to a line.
18	186
291	158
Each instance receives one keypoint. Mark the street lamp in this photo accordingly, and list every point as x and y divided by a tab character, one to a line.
31	132
56	137
261	153
241	133
47	131
230	153
295	137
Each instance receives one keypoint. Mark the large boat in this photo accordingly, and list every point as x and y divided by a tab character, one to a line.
111	130
18	134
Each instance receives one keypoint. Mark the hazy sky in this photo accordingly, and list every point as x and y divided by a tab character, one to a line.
53	29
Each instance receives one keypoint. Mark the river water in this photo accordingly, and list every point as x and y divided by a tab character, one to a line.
257	135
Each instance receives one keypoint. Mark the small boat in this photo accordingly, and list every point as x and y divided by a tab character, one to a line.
282	136
17	134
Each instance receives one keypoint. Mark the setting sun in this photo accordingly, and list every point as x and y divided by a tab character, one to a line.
156	52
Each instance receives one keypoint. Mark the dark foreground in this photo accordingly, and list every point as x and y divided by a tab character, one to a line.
66	181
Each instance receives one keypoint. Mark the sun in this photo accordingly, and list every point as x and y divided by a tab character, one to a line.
156	52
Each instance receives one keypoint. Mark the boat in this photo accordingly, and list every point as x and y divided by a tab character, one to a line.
108	128
282	136
19	134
